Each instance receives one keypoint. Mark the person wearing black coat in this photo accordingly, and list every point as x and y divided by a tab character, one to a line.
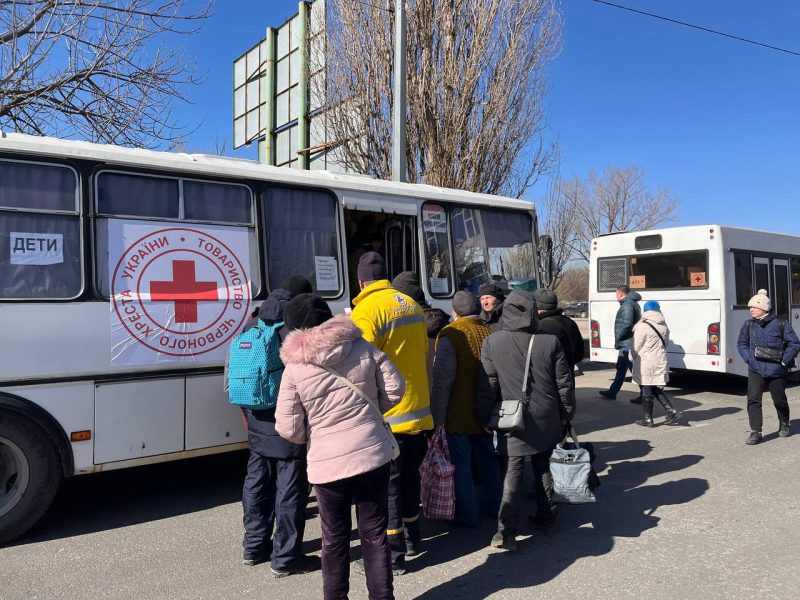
275	491
765	330
553	321
551	405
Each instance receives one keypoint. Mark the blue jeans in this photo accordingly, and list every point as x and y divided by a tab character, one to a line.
623	366
468	450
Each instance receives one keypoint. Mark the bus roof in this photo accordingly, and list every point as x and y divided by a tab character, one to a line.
238	167
689	230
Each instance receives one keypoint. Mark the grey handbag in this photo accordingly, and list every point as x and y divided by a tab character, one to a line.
509	415
571	469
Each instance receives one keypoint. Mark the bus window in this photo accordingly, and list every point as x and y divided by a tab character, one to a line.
301	238
611	272
139	196
491	246
669	271
437	250
743	275
40	232
133	195
216	202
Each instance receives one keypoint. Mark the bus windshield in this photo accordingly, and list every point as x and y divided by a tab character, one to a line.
486	246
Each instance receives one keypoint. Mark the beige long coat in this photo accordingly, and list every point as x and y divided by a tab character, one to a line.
649	354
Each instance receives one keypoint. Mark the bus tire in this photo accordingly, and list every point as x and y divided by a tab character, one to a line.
29	475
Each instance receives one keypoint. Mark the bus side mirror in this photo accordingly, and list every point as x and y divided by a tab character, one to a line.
546	260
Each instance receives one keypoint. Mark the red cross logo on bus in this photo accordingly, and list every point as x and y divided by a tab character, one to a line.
184	291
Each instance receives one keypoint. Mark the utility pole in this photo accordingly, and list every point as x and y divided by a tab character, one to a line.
399	166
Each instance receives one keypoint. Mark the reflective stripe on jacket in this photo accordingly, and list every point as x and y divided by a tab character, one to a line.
396	325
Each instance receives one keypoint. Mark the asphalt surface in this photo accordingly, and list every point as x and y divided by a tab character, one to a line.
683	512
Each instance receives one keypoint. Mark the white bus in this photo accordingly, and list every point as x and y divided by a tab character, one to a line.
703	276
125	273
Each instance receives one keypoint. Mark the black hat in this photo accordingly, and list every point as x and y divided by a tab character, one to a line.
491	289
546	299
296	285
305	311
371	267
465	304
407	283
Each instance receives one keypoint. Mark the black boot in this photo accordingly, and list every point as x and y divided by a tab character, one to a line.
672	414
647	418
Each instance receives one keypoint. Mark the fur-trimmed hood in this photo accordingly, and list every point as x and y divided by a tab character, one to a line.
326	344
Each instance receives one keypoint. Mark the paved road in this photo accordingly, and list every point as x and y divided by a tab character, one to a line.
683	513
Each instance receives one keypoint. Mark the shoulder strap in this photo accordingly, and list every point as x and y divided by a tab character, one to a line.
661	337
752	332
527	368
783	328
353	387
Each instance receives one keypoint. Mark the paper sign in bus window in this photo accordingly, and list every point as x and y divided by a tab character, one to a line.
637	282
36	248
327	274
434	221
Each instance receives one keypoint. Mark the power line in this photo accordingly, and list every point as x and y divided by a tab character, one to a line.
685	24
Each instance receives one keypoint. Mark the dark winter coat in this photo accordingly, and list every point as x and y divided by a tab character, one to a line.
555	323
767	332
503	369
493	318
435	320
261	434
628	315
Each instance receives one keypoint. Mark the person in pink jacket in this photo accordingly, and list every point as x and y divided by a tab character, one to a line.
349	448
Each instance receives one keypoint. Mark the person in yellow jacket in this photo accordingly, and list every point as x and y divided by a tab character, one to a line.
395	323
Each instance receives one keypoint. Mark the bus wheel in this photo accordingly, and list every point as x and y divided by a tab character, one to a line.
29	475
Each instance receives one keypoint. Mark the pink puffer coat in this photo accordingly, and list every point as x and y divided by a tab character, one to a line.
346	437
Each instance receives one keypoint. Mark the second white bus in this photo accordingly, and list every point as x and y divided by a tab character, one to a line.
703	276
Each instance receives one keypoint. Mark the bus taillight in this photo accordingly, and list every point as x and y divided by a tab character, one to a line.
595	326
712	342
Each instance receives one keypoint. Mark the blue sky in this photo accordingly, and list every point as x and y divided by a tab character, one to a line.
714	120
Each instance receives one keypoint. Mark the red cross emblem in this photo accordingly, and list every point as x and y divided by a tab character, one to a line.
184	291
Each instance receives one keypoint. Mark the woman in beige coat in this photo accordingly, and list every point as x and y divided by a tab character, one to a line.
650	366
333	394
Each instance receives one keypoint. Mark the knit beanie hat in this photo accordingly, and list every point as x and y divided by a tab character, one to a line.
296	285
465	304
491	289
407	283
305	311
546	299
760	300
651	305
371	267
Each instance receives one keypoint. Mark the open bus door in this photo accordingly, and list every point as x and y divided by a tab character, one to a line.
401	246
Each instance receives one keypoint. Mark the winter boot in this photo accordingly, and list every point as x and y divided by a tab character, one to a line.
672	414
754	438
783	430
647	418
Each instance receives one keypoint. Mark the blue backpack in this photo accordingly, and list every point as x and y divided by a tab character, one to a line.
255	367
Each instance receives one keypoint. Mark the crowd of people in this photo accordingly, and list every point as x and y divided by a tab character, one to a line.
360	394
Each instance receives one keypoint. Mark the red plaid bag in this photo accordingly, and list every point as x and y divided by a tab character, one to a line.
437	478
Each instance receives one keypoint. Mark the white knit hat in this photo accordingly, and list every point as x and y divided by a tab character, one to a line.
760	300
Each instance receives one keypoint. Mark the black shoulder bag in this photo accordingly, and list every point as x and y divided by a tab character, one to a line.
765	353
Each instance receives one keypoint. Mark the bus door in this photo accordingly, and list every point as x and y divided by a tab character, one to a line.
401	246
773	275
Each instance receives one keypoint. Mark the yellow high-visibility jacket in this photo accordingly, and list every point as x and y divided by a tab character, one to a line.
396	325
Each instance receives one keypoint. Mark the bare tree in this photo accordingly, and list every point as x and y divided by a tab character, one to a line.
574	285
100	70
476	85
615	200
